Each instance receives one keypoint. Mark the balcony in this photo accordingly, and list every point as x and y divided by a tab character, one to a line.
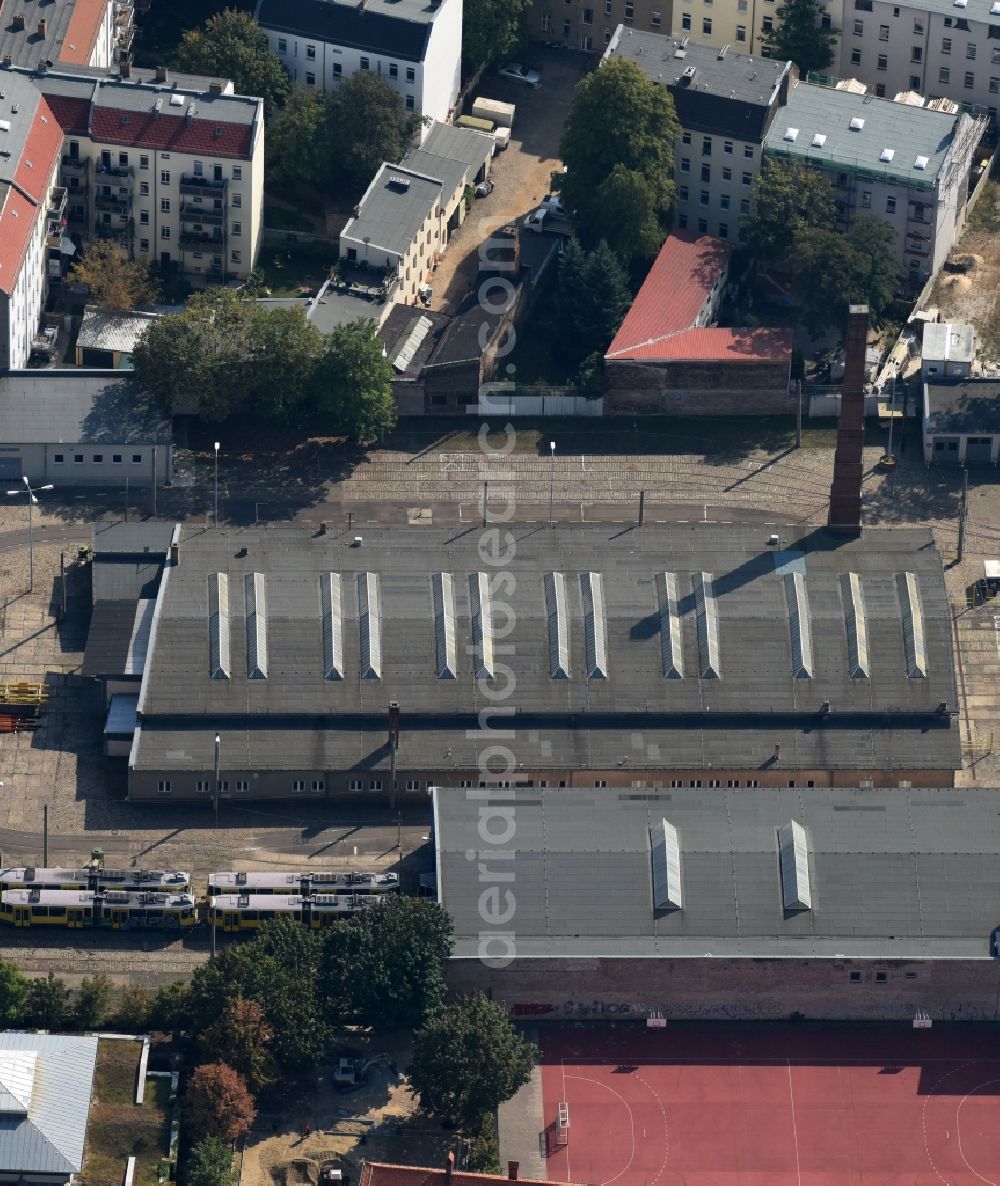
124	13
123	172
57	202
190	241
192	212
75	166
115	203
205	186
123	44
105	230
53	232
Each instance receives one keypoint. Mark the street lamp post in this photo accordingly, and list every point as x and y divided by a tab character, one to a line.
552	476
32	500
218	446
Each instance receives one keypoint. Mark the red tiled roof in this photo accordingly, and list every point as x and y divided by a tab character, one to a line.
17	221
149	129
71	113
659	325
379	1174
19	215
81	34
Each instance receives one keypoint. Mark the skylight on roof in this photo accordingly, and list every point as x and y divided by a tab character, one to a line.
886	155
857	123
819	140
921	162
995	8
4	125
791	133
961	3
176	100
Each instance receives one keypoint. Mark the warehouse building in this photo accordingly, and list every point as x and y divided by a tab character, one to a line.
682	903
703	655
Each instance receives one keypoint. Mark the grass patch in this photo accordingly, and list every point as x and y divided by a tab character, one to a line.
278	218
118	1129
292	271
985	214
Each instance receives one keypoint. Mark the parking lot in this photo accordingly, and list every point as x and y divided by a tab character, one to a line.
521	173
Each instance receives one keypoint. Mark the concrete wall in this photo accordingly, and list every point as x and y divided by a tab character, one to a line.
739	989
697	388
41	463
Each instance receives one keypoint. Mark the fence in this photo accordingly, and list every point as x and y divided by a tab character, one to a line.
502	399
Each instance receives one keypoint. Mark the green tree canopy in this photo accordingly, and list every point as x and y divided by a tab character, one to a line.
384	967
799	36
788	197
116	282
47	1003
831	271
366	125
92	1001
618	148
242	1038
171	1006
354	382
13	992
295	149
491	29
218	1103
210	1164
593	298
467	1059
132	1014
232	45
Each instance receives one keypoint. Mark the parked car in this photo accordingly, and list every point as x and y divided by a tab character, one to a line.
518	73
554	204
484	188
536	221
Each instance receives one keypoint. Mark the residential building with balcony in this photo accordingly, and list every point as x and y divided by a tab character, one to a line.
726	102
172	168
414	45
909	166
67	33
32	205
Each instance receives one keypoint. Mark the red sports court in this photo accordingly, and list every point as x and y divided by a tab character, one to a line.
772	1105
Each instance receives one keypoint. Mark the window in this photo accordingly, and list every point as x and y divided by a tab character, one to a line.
686	21
970	51
727	148
116	458
883	62
607	7
723	234
706	26
881	977
237	200
855	57
918	25
706	173
136	458
741	32
144	162
880	90
338	69
237	172
866	199
310	78
78	459
948	22
704	197
747	179
409	102
59	458
685	164
144	217
946	45
311	52
859	28
393	70
994	86
588	16
855	977
702	226
995	56
234	257
546	22
163	786
629	10
410	74
375	784
365	64
282	45
682	193
733	783
144	189
164	177
915	82
883	32
824	21
237	229
98	458
123	160
741	5
917	54
727	174
682	221
164	232
970	80
318	784
724	202
962	24
890	205
242	786
164	205
201	786
791	784
706	146
356	784
748	151
413	784
655	17
685	137
143	244
567	28
944	74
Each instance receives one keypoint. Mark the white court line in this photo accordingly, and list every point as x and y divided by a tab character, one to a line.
958	1130
795	1129
562	1064
631	1123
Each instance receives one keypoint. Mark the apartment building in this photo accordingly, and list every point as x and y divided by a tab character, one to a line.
415	45
726	102
171	168
32	207
67	33
908	165
940	48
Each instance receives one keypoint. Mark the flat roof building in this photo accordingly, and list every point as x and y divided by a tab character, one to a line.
962	421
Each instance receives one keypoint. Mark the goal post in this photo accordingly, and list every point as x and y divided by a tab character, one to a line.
922	1020
562	1123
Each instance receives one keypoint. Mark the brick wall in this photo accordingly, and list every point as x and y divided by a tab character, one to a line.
697	388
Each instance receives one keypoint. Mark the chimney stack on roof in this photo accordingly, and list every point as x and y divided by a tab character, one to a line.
161	74
848	467
215	88
449	1168
43	27
17	23
125	70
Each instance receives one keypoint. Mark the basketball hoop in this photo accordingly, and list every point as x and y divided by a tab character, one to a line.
922	1020
656	1020
562	1124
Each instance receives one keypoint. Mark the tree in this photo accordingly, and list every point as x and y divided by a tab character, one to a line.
788	197
296	143
354	382
242	1038
491	29
47	1003
366	125
384	967
93	999
132	1014
210	1164
593	298
798	35
171	1008
232	45
878	273
618	148
467	1059
831	271
13	993
218	1102
116	282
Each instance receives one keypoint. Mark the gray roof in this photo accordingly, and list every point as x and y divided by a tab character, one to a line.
78	407
132	539
449	172
908	132
390	215
948	341
333	306
301	717
963	406
891	873
26	47
410	335
17	108
108	637
50	1138
103	330
459	144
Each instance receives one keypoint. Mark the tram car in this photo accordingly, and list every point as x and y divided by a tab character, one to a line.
304	881
96	878
247	912
113	909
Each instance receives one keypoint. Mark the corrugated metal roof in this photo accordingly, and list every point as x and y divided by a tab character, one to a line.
671	642
255	591
558	624
595	625
856	624
333	625
445	649
913	625
668	891
370	625
218	626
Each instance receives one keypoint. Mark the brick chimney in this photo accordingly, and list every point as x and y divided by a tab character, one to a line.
124	69
394	722
17	22
161	74
848	465
513	1169
449	1169
215	88
43	27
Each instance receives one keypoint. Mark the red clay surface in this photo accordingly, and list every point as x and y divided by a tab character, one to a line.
774	1106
